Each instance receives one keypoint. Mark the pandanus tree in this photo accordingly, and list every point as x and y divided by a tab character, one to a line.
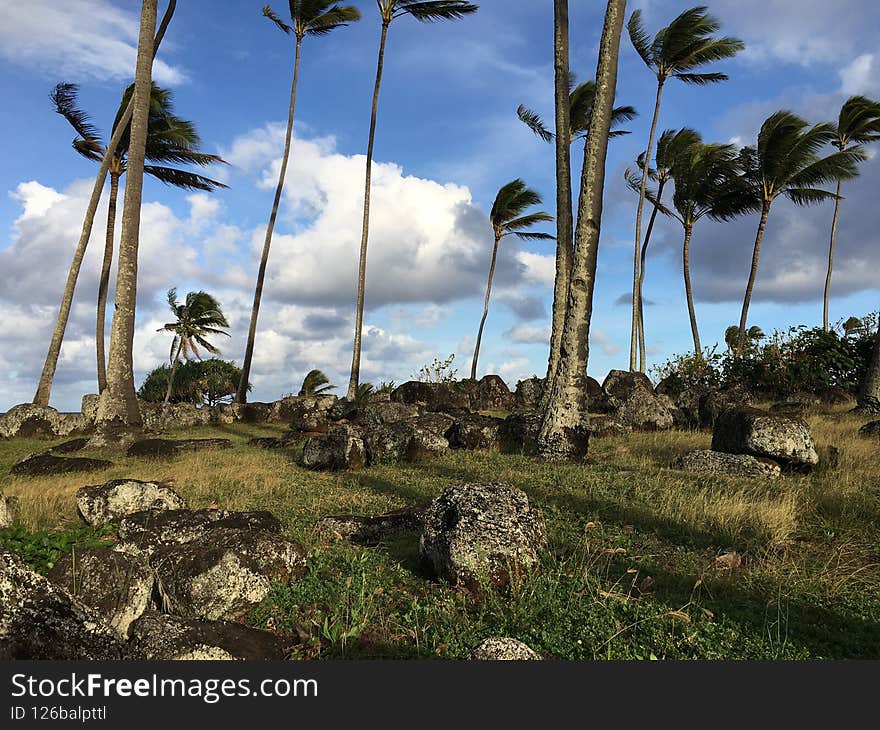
858	124
787	162
676	51
313	18
195	319
510	217
170	141
670	143
427	11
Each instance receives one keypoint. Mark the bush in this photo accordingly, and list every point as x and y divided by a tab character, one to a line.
200	382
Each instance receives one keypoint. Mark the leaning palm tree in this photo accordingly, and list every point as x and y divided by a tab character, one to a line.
425	11
857	124
44	387
787	162
316	383
314	18
669	145
677	50
509	218
194	320
169	140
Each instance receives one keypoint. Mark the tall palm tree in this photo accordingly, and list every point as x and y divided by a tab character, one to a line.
509	218
787	162
119	415
314	18
677	50
858	124
670	143
576	107
44	387
198	317
170	139
564	434
425	11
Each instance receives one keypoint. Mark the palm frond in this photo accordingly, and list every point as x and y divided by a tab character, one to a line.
275	18
534	122
701	79
63	98
433	10
183	179
336	17
639	37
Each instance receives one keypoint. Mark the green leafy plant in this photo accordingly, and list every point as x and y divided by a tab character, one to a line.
42	549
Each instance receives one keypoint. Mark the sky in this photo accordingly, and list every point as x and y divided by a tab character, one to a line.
448	139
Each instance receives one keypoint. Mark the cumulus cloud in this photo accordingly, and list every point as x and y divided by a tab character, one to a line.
525	334
861	75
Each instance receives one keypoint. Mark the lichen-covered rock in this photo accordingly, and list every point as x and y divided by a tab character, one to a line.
529	393
384	412
102	503
475	431
39	620
89	408
160	637
310	414
343	410
166	448
414	439
28	421
747	430
116	585
481	532
734	465
178	415
491	394
442	397
632	399
47	465
340	449
714	402
369	530
146	531
519	433
8	511
597	398
69	447
387	442
224	573
602	425
504	649
252	412
274	442
872	428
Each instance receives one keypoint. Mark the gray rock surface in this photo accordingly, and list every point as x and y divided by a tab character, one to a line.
752	431
166	448
735	465
632	399
475	431
504	649
370	529
340	449
102	503
48	465
28	420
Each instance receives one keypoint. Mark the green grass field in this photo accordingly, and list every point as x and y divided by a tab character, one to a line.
645	562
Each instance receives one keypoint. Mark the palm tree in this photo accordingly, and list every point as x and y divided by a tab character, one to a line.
425	11
670	144
169	139
199	316
787	162
314	18
44	387
677	50
564	434
858	124
734	341
316	383
509	218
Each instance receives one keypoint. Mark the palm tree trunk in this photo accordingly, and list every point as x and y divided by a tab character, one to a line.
686	264
241	395
869	393
564	204
564	434
831	256
636	293
174	363
365	234
644	255
118	410
104	282
44	387
765	211
485	308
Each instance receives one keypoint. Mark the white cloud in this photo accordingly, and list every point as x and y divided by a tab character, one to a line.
539	268
860	76
526	334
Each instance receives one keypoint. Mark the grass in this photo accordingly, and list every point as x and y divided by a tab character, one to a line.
632	570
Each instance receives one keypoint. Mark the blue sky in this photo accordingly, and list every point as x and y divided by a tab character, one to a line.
448	138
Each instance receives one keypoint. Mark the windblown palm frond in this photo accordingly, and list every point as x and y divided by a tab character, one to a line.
198	316
432	10
315	383
509	215
313	17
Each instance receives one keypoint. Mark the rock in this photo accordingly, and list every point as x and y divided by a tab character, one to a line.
491	394
443	397
519	433
476	532
28	421
714	402
117	586
158	448
224	573
223	413
69	447
386	412
8	511
734	465
601	426
504	649
369	530
870	429
89	408
474	431
414	439
632	399
160	637
271	442
39	620
597	398
343	410
340	449
46	464
749	430
310	414
529	393
387	442
144	532
103	503
179	415
252	412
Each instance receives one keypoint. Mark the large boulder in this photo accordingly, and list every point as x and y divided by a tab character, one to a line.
597	398
481	532
8	511
103	503
89	408
733	465
504	649
414	439
340	449
167	448
178	416
602	425
39	620
529	393
747	430
224	573
491	394
252	412
32	421
384	412
69	447
632	399
160	637
443	397
310	414
714	402
49	465
518	433
475	431
116	585
370	529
